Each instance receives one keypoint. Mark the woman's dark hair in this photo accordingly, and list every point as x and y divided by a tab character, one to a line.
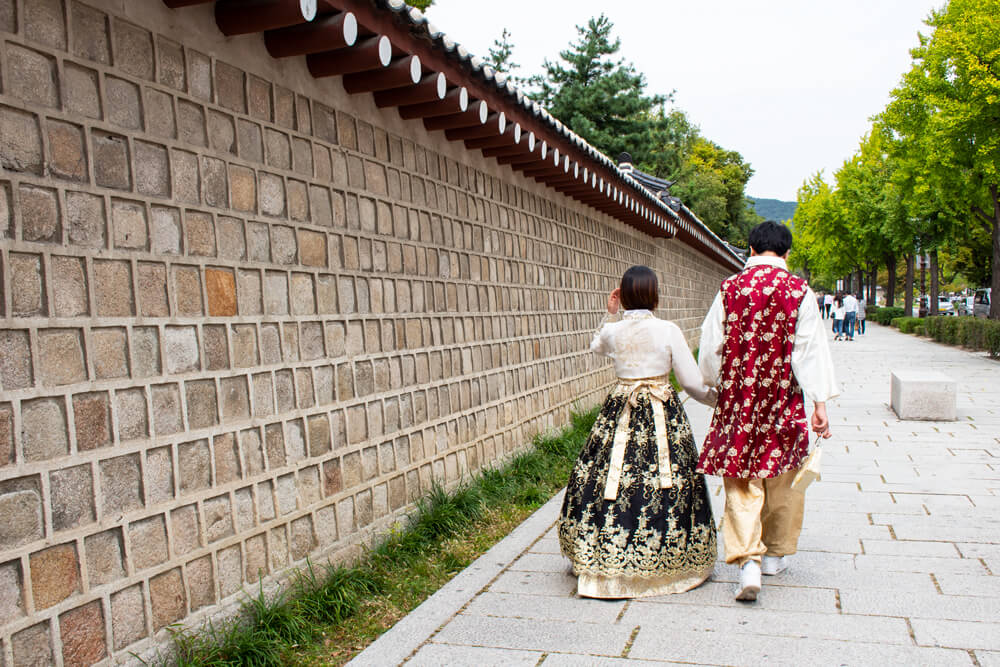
770	236
640	289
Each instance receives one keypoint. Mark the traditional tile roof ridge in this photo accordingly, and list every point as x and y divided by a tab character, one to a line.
389	49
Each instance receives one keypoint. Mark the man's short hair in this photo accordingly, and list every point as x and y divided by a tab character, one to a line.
639	289
770	236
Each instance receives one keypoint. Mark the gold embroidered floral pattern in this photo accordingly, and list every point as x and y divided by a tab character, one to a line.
647	532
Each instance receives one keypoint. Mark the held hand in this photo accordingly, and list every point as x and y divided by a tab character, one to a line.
614	299
820	423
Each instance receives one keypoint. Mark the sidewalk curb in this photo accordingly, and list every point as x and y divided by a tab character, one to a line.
421	624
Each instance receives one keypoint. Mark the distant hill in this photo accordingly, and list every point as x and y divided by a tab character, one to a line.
774	209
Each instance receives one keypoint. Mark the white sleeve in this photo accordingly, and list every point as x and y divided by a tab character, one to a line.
712	340
601	344
811	360
686	368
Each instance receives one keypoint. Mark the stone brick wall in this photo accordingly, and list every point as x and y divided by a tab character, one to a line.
246	318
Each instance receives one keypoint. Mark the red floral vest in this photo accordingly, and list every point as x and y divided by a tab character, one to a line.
759	426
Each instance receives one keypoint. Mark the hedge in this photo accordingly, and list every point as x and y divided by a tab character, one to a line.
971	332
910	325
884	315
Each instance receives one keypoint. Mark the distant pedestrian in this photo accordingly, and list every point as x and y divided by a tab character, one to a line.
838	317
850	315
827	305
637	520
862	308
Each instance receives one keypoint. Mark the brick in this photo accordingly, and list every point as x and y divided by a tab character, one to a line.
187	290
259	98
33	76
61	354
133	50
274	441
227	458
113	288
191	123
32	647
303	296
153	290
145	352
231	241
148	542
159	475
284	389
128	617
165	231
170	56
304	388
55	575
15	359
230	571
6	435
309	486
121	485
253	453
45	22
194	466
80	90
298	200
290	342
218	518
258	242
248	292
286	494
85	214
90	33
199	234
166	409
235	399
277	149
185	178
104	554
276	293
20	141
199	74
215	188
152	169
303	539
124	104
43	429
160	121
265	501
229	83
167	598
92	419
256	565
109	352
72	497
272	194
319	205
184	529
39	214
245	346
21	508
215	346
250	140
263	399
82	632
221	132
69	287
202	409
27	282
220	284
201	582
67	154
242	189
295	441
111	161
11	592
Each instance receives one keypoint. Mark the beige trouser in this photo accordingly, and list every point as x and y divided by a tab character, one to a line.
762	517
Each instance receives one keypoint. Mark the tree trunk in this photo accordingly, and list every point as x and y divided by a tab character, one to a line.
934	282
908	287
923	274
872	284
995	283
890	288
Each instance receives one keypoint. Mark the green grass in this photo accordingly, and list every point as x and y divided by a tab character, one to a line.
329	614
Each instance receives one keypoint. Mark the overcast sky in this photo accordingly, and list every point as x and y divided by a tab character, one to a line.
790	84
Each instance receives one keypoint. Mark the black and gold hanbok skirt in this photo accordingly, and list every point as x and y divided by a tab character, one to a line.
636	520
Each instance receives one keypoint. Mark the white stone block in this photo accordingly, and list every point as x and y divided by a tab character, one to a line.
923	395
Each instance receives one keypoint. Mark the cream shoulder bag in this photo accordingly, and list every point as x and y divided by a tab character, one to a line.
809	472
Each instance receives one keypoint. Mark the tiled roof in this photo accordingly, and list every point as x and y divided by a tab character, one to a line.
536	142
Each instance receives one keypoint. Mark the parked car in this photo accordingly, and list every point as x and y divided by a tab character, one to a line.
981	303
945	306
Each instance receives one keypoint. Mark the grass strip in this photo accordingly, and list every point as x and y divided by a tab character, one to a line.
329	614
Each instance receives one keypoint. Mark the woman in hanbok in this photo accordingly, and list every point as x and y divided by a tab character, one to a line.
636	520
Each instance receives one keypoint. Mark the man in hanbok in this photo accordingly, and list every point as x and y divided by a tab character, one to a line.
764	348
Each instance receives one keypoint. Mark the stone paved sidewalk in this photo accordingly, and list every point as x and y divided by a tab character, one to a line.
899	560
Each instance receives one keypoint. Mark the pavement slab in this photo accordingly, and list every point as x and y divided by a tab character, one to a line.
898	563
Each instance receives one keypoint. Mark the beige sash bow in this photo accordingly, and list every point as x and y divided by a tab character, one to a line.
658	390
